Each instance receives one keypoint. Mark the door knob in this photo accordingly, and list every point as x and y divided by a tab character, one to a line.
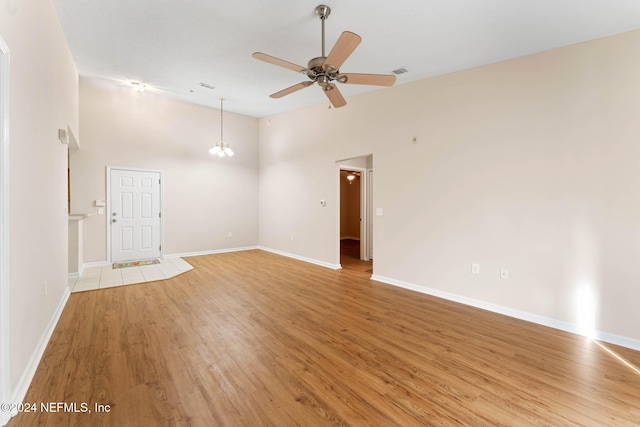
114	220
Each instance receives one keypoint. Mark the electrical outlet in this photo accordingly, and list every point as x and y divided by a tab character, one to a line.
229	234
44	287
475	268
100	211
504	273
292	237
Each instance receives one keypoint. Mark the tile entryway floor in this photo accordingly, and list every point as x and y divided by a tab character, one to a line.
107	277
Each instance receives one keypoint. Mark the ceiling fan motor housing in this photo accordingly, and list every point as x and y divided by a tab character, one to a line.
314	67
319	72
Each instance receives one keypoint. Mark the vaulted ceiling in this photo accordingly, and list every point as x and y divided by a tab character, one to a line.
173	46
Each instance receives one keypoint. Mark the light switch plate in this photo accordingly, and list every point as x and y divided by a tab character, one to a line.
504	273
379	212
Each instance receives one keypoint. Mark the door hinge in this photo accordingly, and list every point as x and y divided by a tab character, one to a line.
160	248
159	214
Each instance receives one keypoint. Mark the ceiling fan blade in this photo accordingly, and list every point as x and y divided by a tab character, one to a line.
291	89
344	47
367	79
334	95
279	62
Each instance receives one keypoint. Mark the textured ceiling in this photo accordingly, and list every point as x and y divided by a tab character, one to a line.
173	45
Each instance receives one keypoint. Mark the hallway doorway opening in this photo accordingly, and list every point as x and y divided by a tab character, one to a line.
354	212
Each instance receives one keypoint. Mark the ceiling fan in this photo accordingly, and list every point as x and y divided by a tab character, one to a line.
325	70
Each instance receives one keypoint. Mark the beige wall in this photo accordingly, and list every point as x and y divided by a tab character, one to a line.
205	197
530	164
43	99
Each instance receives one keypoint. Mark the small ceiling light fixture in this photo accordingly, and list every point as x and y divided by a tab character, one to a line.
220	148
137	86
351	177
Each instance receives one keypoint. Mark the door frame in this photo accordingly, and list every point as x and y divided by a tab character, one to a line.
5	330
369	224
108	205
364	211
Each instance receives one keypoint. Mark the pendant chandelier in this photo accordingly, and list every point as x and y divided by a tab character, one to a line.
220	148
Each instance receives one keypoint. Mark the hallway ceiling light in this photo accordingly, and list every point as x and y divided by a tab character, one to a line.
220	148
351	177
138	87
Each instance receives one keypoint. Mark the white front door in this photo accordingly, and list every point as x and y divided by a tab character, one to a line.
134	215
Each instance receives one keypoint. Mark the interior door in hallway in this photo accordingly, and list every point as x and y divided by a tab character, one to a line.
134	215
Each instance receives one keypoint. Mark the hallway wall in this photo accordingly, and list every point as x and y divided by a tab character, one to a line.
349	208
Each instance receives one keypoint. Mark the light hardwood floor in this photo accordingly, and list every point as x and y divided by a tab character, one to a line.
256	339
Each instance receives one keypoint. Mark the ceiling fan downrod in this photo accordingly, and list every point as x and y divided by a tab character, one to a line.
323	11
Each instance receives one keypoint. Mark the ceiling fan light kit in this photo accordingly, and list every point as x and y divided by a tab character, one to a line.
325	70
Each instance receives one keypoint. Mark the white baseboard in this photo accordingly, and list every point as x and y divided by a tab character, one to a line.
211	252
522	315
87	265
301	258
29	371
74	275
93	264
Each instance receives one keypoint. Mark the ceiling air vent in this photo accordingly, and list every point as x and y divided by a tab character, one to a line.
207	85
400	70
